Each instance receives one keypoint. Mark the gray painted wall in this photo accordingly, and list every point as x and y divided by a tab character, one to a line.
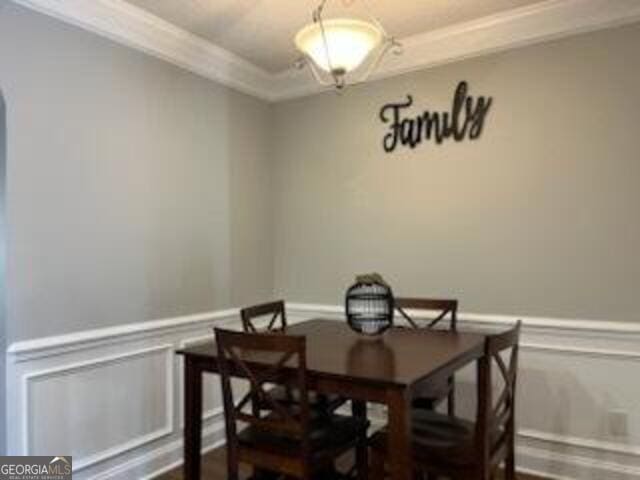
137	190
538	217
127	184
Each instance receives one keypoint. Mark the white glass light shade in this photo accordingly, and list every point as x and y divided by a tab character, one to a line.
349	42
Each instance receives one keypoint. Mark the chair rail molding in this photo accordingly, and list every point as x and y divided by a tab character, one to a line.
566	367
134	27
530	322
62	344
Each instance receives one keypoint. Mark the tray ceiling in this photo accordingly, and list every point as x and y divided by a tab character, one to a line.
261	31
247	44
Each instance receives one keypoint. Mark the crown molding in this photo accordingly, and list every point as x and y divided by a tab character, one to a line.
132	26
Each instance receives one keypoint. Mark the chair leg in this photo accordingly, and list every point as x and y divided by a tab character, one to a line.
362	459
486	474
232	465
376	469
510	464
451	398
359	410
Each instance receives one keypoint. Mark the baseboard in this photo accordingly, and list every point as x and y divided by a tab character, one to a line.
552	465
153	464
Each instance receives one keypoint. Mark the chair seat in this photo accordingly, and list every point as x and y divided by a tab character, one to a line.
328	435
436	438
450	447
430	394
317	401
435	430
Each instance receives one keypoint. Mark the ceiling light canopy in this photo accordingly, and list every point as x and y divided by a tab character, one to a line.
342	50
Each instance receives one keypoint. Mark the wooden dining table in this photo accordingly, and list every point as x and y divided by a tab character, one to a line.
380	370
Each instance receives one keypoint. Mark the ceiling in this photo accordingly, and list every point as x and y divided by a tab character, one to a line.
247	44
262	31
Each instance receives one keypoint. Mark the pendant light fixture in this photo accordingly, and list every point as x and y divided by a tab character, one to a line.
342	51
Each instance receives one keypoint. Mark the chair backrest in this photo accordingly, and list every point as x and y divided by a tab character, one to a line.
495	424
442	308
277	322
264	360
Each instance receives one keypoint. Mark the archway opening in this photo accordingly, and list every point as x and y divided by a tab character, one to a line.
3	237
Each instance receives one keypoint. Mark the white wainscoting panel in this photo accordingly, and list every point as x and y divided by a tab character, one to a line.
112	397
87	407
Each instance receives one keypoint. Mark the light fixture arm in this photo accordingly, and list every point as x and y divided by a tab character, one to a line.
338	76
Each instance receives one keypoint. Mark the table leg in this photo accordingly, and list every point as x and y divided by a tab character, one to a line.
192	419
399	447
359	410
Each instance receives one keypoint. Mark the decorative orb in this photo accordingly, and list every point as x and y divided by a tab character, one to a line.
369	305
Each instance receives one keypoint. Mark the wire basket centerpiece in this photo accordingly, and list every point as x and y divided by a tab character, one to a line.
369	305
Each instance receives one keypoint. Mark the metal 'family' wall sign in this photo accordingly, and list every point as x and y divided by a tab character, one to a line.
466	119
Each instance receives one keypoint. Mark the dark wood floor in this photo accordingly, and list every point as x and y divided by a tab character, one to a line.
214	468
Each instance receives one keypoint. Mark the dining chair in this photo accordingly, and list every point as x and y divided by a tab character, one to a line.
286	439
276	322
458	449
430	394
442	309
275	310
